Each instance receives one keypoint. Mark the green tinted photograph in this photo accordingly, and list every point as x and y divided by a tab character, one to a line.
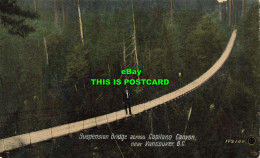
129	78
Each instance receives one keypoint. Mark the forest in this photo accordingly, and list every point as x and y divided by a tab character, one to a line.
50	50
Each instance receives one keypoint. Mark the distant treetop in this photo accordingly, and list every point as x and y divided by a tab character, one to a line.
13	17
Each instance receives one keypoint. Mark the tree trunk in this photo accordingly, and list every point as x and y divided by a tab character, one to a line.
220	12
46	51
124	51
135	47
187	121
149	57
244	7
84	84
63	12
56	13
1	81
171	10
35	5
75	86
230	13
169	128
80	22
109	70
151	120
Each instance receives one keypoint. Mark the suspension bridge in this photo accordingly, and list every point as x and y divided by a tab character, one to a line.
31	138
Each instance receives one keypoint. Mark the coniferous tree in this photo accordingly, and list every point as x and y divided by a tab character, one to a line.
13	18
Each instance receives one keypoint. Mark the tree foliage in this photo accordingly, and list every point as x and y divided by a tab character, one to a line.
13	18
35	95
